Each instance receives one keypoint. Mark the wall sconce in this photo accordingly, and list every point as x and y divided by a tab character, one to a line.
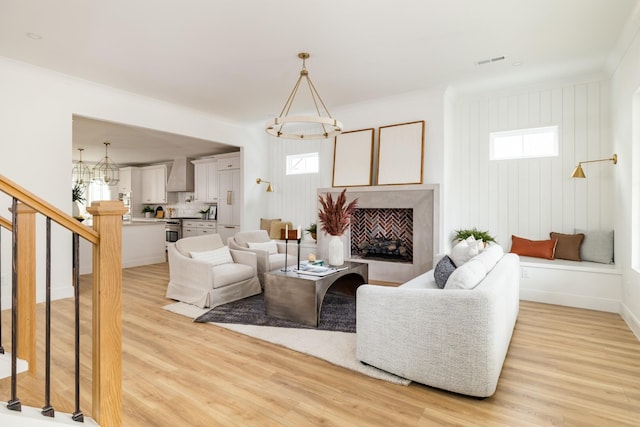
269	187
579	173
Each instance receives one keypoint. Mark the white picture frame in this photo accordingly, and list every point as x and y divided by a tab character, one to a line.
401	153
353	158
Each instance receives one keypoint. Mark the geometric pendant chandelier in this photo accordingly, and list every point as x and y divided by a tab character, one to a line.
105	171
81	174
317	126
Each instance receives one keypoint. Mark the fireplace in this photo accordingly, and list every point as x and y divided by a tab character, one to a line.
382	234
393	216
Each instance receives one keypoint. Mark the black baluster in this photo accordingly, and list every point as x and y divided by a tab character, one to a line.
77	415
47	410
14	403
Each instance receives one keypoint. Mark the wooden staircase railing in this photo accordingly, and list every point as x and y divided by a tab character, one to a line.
106	238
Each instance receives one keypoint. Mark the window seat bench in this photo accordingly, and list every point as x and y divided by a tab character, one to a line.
572	283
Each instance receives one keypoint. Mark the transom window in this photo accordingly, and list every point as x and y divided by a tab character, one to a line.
524	143
302	163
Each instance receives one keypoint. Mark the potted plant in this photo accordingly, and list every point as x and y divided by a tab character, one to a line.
313	230
335	217
463	234
147	211
204	213
77	197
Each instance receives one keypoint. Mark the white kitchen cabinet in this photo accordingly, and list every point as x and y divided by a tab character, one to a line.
198	228
229	197
229	163
154	184
206	180
126	183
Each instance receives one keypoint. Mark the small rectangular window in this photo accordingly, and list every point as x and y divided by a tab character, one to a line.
524	143
302	163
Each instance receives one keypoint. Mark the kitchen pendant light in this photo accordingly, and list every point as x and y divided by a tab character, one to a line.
105	171
81	174
321	126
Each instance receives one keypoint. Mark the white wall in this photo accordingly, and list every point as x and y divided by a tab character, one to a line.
626	142
295	196
36	109
532	197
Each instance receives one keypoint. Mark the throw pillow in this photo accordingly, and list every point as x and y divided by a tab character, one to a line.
467	277
443	270
265	224
597	246
464	251
568	246
269	246
214	257
534	248
490	256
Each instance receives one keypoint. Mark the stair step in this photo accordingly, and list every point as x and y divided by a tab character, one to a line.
5	365
31	417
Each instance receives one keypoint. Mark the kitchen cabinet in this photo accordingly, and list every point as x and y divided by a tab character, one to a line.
230	197
129	178
229	163
206	180
154	184
198	228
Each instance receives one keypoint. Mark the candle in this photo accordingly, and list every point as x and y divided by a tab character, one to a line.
286	231
299	233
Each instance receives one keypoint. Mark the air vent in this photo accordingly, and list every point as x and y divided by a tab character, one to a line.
491	60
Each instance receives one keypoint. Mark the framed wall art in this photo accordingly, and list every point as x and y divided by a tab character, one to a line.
401	153
353	158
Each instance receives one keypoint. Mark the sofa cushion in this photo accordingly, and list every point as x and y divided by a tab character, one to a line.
490	256
464	251
229	274
214	257
468	276
597	246
269	246
533	248
443	270
206	242
568	246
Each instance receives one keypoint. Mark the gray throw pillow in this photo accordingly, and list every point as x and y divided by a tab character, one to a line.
443	270
597	246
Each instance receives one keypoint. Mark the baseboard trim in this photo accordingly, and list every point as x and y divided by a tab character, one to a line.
632	321
570	300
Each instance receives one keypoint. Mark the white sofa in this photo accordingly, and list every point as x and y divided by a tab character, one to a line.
452	339
215	278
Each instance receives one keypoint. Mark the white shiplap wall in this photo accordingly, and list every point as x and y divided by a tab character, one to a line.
530	198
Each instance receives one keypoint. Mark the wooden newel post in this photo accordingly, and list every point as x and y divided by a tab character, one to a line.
26	339
107	313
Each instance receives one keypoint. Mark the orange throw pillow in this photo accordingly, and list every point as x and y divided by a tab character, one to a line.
568	246
534	248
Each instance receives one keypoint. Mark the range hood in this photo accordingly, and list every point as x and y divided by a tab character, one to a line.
181	175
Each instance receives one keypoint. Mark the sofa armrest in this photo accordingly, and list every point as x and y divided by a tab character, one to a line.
437	337
245	257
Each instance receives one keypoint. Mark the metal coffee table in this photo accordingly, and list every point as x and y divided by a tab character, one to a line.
298	297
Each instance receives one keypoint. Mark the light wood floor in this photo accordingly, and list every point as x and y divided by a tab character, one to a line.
565	367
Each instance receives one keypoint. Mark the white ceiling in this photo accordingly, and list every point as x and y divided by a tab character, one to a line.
238	58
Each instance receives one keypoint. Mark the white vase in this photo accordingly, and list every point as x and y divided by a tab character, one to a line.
336	251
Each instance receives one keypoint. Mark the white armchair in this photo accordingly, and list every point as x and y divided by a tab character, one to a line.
270	254
204	272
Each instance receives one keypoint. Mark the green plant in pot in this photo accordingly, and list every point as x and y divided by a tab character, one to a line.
77	197
147	211
313	230
463	234
204	213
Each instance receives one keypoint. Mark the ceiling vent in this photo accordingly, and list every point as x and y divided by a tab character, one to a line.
491	60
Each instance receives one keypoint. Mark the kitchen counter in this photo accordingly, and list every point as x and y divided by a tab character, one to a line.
143	242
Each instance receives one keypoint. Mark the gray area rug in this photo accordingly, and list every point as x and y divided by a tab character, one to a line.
338	314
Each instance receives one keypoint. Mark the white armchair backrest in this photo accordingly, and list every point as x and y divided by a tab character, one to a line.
243	238
206	242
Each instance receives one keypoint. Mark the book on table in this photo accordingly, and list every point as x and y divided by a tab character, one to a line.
316	270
